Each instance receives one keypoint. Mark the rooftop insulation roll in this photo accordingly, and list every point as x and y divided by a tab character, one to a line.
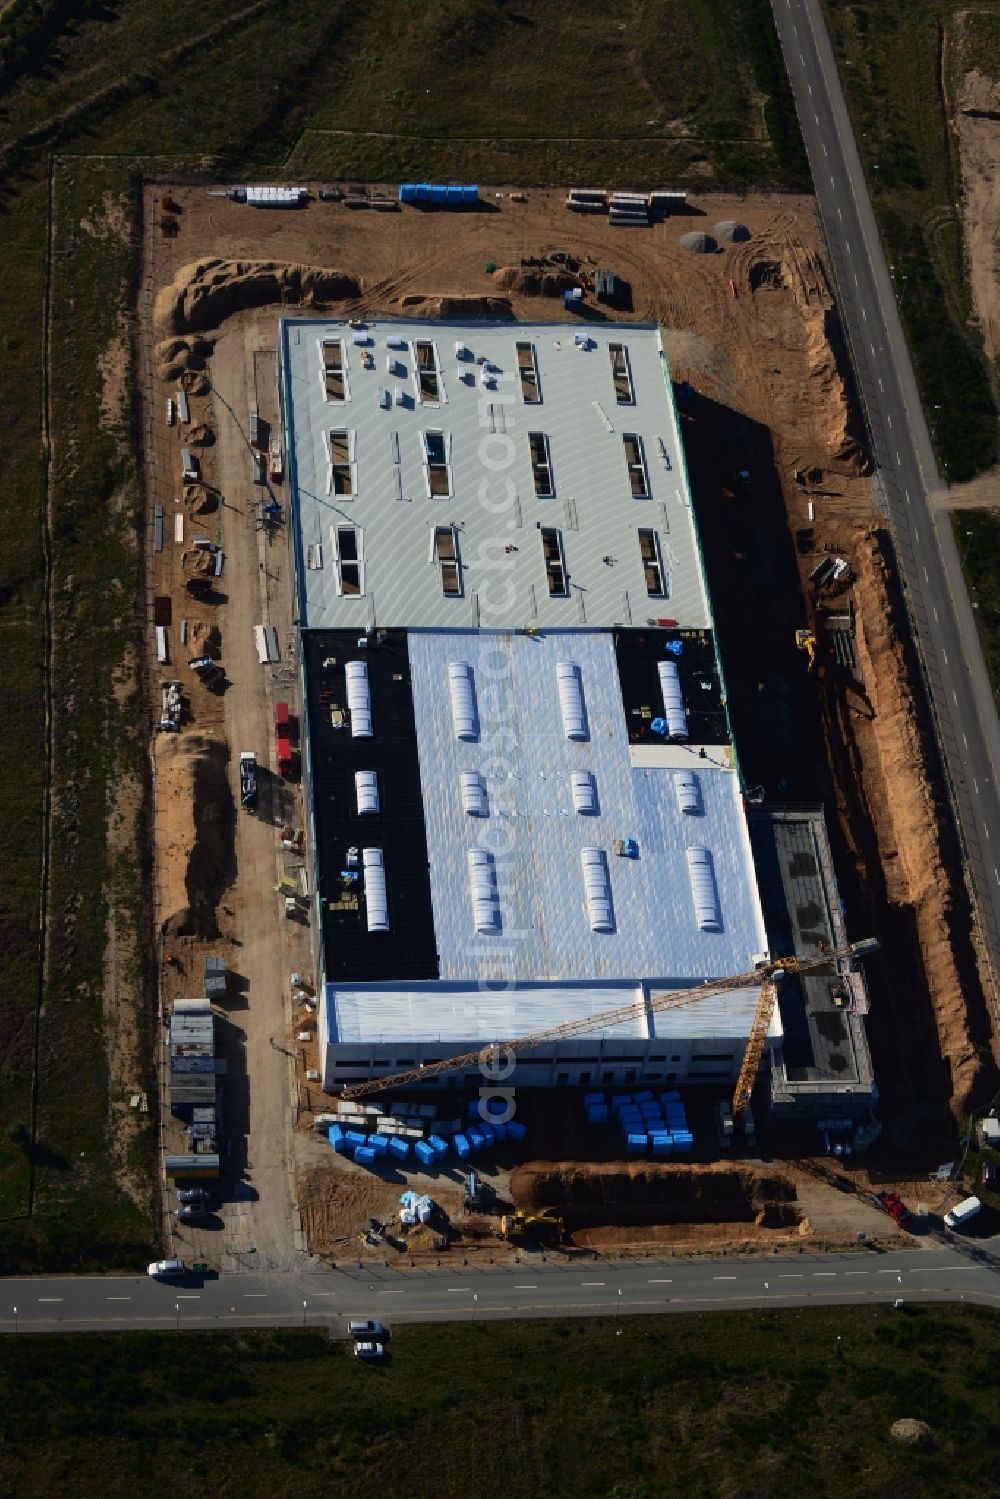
485	899
473	793
597	889
376	904
366	790
673	701
574	714
584	792
461	685
703	891
359	699
688	791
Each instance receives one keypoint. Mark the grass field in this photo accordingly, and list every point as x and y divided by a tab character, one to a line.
900	61
762	1406
91	96
977	536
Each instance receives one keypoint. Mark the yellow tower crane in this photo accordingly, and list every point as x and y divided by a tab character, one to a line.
768	975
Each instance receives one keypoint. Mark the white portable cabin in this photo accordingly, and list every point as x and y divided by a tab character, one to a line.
183	410
703	892
376	902
462	687
359	699
189	466
688	789
276	197
584	792
574	714
483	885
366	791
597	889
673	700
473	786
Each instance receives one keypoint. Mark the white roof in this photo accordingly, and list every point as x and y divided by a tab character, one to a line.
455	1014
492	500
537	835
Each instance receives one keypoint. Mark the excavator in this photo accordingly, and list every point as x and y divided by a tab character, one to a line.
545	1227
767	975
806	641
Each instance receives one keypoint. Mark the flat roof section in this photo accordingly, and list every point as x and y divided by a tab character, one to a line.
494	474
527	748
458	1013
823	1040
408	948
692	653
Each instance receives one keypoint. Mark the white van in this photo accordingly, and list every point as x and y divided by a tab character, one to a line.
962	1212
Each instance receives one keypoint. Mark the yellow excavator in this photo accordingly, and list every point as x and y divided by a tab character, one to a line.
541	1226
806	641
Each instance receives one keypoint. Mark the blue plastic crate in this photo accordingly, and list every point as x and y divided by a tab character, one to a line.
399	1148
364	1155
637	1144
461	1145
439	1146
424	1152
379	1143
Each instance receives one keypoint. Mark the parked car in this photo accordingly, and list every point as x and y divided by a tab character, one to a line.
189	1210
369	1350
160	1268
194	1194
962	1212
367	1329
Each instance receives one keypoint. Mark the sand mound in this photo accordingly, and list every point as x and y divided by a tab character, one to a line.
652	1193
177	358
199	499
732	230
197	819
455	307
196	563
923	880
200	436
698	243
827	360
206	292
195	384
206	640
526	283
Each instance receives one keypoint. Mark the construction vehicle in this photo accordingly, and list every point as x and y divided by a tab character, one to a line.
806	641
542	1226
768	974
893	1204
248	778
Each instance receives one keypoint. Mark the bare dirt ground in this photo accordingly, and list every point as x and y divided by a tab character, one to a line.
977	125
753	330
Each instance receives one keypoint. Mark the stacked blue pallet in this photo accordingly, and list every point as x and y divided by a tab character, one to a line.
353	1138
337	1138
398	1148
675	1116
461	1145
637	1144
379	1143
424	1152
364	1155
439	1146
595	1108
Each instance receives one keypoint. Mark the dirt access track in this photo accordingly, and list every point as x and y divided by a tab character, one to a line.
753	331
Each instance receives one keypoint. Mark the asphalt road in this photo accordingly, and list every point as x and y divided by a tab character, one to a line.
956	1269
939	608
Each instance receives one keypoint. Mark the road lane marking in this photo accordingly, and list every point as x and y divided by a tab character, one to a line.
50	1298
659	1282
592	1283
882	389
251	1295
188	1296
940	1269
824	1272
450	1288
314	1294
525	1288
790	1274
118	1298
887	1272
723	1277
396	1293
944	655
976	784
855	1272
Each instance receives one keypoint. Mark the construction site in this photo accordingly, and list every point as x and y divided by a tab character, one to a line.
548	847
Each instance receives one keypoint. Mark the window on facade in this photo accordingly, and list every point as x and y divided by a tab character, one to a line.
527	368
635	458
652	562
541	465
446	555
436	463
340	460
348	561
427	373
621	374
555	562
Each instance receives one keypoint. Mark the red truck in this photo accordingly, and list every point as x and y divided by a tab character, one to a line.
282	733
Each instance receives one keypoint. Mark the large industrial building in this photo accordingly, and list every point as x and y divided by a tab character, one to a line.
525	802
